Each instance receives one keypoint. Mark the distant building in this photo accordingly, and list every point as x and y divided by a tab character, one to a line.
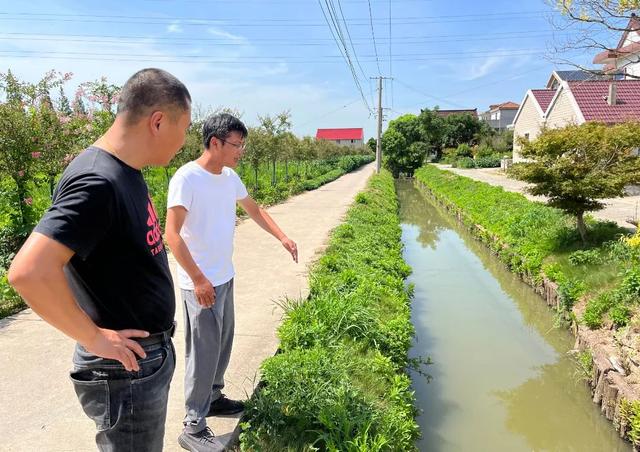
445	113
343	137
500	116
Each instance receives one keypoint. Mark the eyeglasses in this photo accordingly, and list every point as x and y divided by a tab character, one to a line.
240	147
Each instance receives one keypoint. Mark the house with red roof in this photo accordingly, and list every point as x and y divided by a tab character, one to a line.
575	102
353	137
625	58
573	97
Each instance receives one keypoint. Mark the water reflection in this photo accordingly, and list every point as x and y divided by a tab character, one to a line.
501	378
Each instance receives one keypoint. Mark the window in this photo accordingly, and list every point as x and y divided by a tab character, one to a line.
526	136
353	141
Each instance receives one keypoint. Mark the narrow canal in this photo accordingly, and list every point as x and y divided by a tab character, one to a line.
502	378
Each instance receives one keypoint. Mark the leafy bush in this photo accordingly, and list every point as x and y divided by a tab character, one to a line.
463	150
596	308
483	150
585	257
489	161
464	162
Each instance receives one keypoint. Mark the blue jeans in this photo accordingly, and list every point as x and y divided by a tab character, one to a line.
129	408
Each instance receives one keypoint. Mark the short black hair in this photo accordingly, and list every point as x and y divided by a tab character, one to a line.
150	89
220	126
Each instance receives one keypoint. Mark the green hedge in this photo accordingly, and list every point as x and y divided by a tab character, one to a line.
339	381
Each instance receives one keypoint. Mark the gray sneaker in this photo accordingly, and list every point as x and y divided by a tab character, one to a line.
203	441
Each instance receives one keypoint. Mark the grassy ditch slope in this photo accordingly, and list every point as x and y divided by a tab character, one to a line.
339	382
595	287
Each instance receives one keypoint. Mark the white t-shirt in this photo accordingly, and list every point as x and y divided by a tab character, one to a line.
210	200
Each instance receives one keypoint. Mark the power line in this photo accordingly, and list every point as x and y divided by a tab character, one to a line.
351	41
345	53
53	37
154	20
429	95
390	55
324	115
292	58
373	35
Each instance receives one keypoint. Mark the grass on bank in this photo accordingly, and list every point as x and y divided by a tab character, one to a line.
536	240
339	382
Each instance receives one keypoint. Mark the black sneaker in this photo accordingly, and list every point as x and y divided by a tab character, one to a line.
203	441
224	406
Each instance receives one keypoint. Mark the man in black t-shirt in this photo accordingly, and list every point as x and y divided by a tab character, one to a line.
95	266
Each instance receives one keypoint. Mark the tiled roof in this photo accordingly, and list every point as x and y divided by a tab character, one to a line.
591	98
445	113
577	75
608	55
339	134
543	97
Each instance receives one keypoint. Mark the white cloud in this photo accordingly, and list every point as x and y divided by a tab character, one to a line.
479	70
215	31
174	28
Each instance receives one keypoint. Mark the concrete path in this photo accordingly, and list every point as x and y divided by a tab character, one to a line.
617	209
38	407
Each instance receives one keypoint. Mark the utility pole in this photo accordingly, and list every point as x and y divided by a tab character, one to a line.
379	142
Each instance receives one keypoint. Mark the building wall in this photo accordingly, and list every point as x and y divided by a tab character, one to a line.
563	112
351	143
506	118
529	124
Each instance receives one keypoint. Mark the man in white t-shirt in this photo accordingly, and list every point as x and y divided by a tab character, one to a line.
201	219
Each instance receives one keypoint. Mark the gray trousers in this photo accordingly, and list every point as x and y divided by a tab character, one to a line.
208	339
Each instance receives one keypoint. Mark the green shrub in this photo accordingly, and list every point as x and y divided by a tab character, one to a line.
630	412
585	257
463	150
596	308
489	161
569	292
464	162
11	302
631	281
483	150
620	314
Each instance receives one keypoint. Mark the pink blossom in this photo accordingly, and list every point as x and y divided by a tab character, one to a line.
28	201
20	173
36	155
64	119
67	76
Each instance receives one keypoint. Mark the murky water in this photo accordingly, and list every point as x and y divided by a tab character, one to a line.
501	376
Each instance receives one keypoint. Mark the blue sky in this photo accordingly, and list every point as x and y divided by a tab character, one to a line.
263	57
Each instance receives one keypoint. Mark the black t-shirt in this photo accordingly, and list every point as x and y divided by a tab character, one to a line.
119	273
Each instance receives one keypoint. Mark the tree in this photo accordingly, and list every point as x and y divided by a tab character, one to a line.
372	144
576	166
596	26
275	127
432	129
393	146
461	129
